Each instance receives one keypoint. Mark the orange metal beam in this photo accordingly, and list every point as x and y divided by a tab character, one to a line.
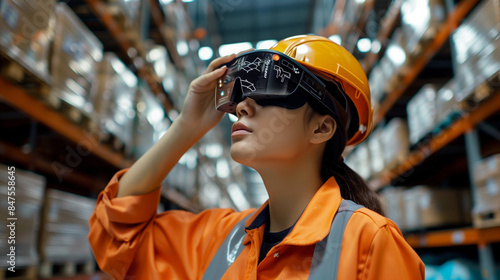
452	22
18	98
457	129
467	236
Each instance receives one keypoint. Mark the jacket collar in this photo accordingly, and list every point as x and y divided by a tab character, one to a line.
315	222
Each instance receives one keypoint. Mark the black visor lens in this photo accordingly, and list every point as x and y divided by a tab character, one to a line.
258	75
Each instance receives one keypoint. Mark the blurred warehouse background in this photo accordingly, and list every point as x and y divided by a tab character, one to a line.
87	86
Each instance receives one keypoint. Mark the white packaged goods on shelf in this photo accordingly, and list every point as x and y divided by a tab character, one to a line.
131	10
395	60
114	102
477	49
164	69
359	161
183	175
422	113
395	143
377	83
75	55
351	14
149	124
420	21
375	146
26	32
487	181
427	207
447	107
64	230
487	168
393	203
29	189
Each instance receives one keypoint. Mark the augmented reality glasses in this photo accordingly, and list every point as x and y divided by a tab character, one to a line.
272	78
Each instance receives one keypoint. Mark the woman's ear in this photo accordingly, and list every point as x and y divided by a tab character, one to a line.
324	128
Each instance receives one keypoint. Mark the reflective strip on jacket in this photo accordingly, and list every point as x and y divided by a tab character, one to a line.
130	241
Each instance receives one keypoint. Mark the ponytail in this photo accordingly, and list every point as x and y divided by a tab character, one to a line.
351	185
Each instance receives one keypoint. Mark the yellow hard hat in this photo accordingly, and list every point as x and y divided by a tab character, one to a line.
333	62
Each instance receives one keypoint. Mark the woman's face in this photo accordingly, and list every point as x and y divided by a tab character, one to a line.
268	133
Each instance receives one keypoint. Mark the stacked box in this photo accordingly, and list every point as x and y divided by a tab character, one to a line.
393	203
26	33
375	146
447	107
178	21
422	113
114	102
164	69
183	175
394	62
395	143
28	194
75	56
420	21
477	52
427	207
131	10
377	82
487	180
65	226
359	161
149	124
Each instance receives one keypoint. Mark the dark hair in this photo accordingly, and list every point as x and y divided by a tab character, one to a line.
352	186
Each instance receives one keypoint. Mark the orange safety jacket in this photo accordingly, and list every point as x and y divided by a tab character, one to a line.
130	241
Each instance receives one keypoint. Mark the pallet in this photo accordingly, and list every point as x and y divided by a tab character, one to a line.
68	269
21	273
486	219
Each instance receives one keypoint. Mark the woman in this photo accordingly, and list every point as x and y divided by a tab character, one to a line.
298	106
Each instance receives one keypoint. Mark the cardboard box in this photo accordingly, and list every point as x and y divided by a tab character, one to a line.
63	236
395	143
114	102
487	181
75	55
420	21
422	113
428	207
28	194
393	203
26	33
447	107
477	49
149	125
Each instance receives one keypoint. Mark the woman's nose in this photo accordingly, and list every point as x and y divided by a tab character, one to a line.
246	107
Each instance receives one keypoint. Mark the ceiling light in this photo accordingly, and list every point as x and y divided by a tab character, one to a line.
364	45
266	44
228	49
396	55
336	38
205	53
182	48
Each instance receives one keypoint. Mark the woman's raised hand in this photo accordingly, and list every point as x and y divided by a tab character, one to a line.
199	106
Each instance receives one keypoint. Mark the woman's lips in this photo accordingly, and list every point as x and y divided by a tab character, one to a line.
240	129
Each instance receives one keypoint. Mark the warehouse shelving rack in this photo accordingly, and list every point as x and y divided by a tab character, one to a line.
132	47
464	126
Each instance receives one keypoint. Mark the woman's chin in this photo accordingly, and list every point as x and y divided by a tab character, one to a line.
243	153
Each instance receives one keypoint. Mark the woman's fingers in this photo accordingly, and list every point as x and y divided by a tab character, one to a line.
207	78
